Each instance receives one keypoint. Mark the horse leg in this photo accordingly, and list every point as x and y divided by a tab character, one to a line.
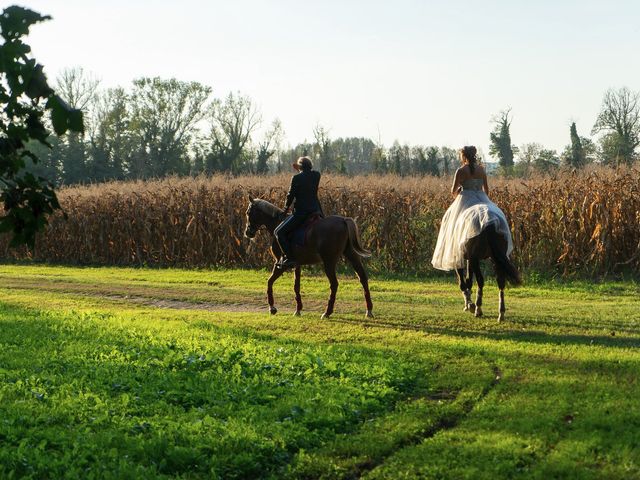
501	284
330	271
296	289
275	274
475	266
465	288
356	263
471	306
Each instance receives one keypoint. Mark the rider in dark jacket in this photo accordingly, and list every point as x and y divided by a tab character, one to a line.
304	191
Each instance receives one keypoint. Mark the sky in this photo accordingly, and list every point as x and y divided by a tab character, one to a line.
419	72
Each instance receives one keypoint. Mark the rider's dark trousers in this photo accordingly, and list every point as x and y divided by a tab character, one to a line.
284	230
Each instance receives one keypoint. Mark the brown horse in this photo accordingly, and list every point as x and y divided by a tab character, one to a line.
326	241
489	244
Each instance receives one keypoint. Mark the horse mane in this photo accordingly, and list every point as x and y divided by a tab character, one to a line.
268	208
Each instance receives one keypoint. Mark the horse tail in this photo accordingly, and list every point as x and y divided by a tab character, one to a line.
500	258
354	238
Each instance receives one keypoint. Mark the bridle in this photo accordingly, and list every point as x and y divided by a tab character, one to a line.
252	230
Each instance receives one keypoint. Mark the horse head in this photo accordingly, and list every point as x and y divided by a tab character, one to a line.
261	213
252	219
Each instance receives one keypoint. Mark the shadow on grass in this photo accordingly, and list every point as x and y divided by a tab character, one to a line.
530	336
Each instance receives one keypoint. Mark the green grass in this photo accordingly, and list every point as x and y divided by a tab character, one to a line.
129	373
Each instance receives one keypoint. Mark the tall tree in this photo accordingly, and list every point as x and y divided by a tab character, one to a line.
533	156
619	120
323	148
268	147
286	158
450	158
432	161
590	149
612	150
232	122
379	157
399	158
501	146
199	149
164	115
576	155
419	159
527	156
111	139
78	88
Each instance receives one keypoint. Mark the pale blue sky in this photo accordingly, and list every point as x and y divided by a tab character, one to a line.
428	72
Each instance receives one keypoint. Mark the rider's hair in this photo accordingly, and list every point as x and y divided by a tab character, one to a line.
305	163
469	154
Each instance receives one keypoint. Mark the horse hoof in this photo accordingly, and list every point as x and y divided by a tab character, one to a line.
478	312
297	313
470	307
325	316
369	314
273	310
501	317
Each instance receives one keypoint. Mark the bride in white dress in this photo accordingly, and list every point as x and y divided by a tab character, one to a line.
469	214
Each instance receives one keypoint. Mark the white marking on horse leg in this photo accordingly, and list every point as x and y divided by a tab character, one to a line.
479	297
469	306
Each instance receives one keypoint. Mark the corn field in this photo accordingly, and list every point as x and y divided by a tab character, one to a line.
585	222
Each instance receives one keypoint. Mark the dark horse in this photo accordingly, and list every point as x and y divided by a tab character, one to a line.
326	241
489	244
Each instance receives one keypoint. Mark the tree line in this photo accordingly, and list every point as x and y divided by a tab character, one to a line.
158	127
617	132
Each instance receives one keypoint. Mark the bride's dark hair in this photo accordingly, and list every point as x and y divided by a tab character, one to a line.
469	154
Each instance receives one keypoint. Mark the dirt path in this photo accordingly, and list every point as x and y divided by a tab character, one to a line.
145	296
184	305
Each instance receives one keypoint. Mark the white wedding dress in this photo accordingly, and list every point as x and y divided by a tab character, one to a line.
469	214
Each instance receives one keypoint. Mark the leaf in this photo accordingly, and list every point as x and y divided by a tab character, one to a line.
37	86
15	21
76	123
63	117
35	129
58	114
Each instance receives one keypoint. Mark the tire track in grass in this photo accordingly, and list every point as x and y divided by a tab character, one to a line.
413	421
443	424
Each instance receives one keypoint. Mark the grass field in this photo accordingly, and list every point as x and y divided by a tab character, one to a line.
131	373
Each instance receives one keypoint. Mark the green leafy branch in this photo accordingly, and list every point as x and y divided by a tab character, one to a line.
25	96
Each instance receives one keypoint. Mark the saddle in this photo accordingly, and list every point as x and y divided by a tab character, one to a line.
299	235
